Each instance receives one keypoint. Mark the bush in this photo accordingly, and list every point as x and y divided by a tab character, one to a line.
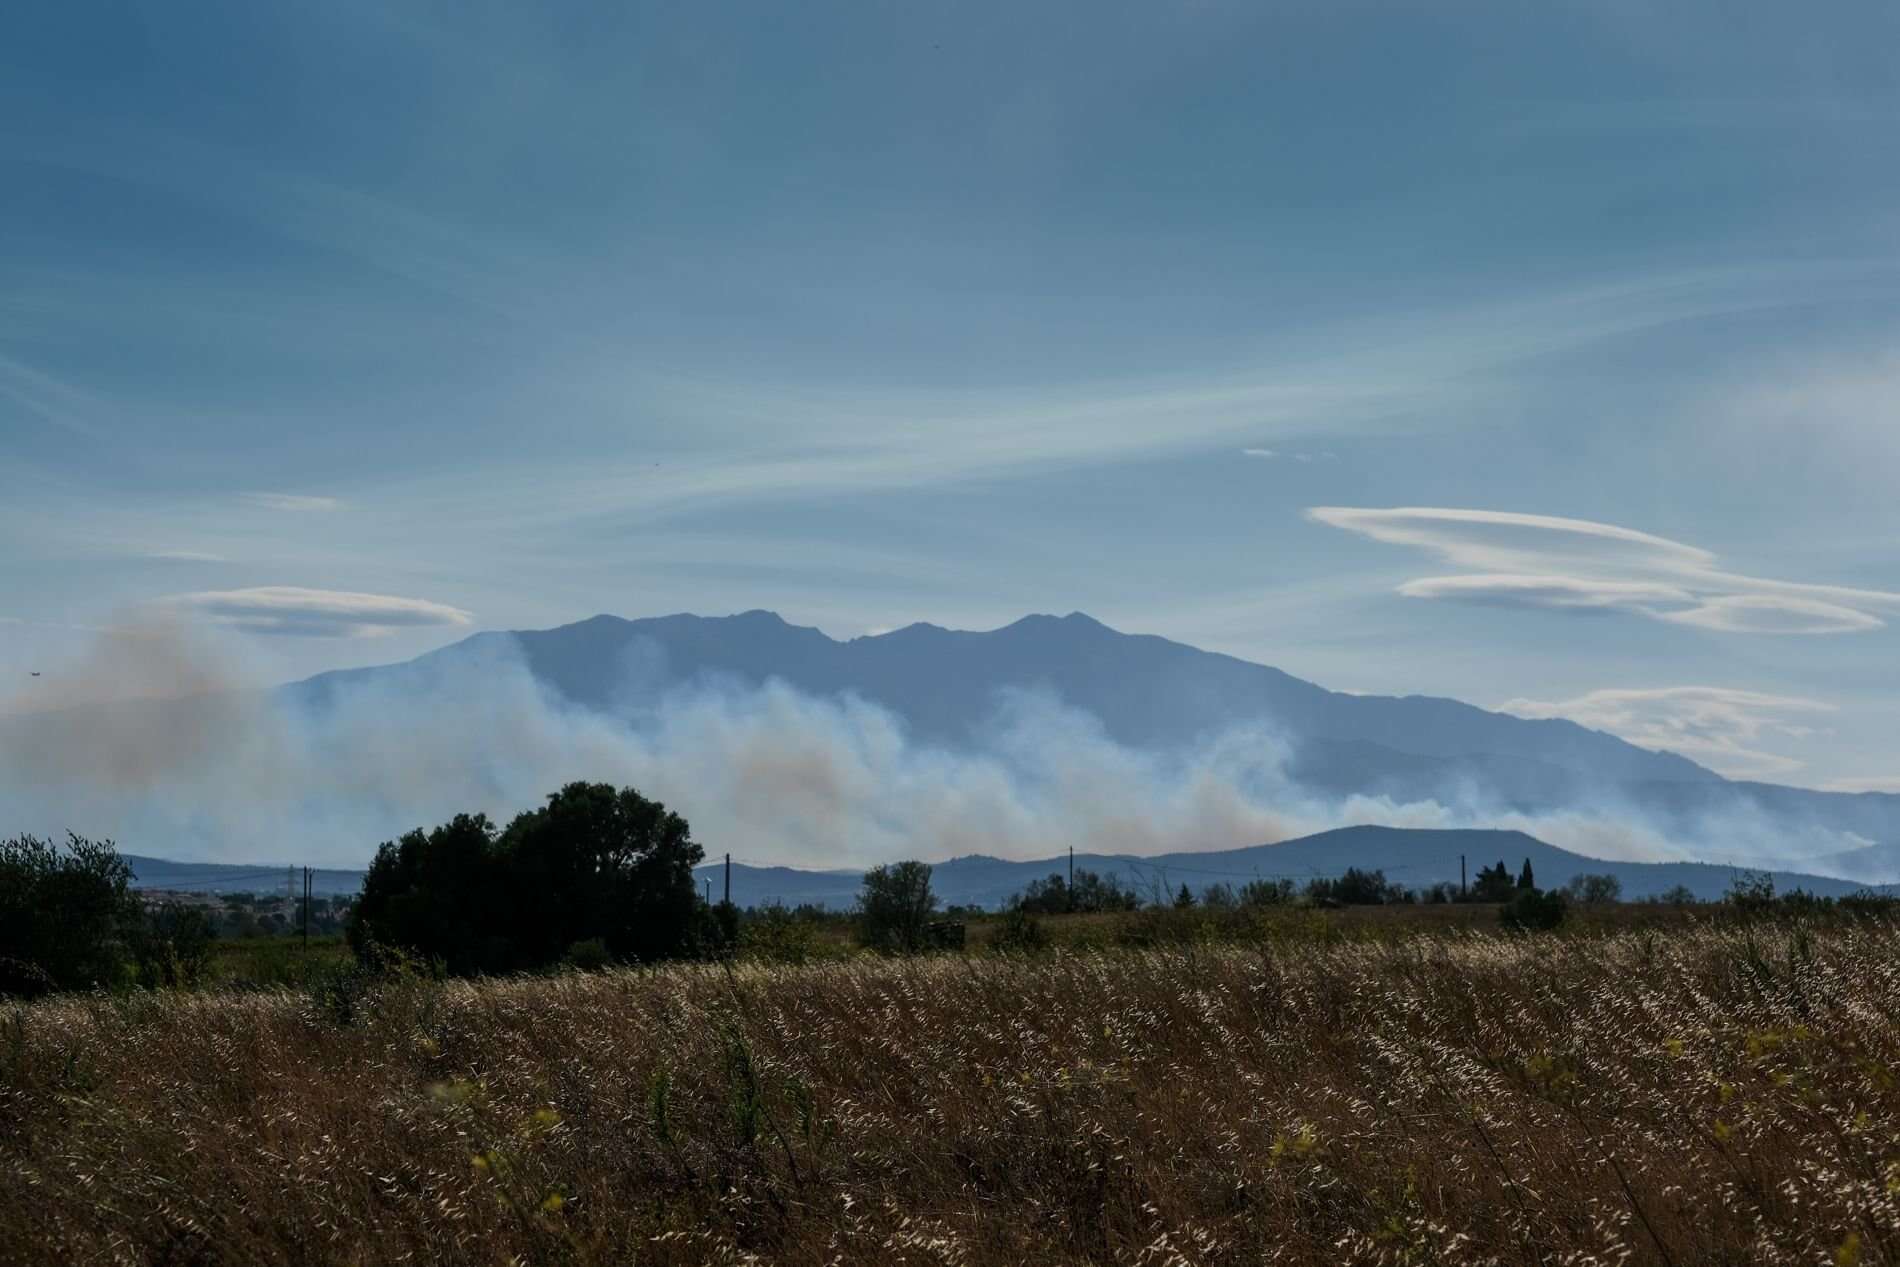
66	909
1020	931
171	947
23	979
1532	911
777	934
589	956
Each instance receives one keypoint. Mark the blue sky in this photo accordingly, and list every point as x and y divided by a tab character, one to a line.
348	329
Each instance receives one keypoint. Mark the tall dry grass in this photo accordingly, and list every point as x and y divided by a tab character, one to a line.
1709	1096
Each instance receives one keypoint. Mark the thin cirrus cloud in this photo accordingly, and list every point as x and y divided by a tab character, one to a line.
313	613
1508	559
290	501
186	556
1720	727
1269	455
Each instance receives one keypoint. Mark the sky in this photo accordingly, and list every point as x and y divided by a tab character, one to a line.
1542	356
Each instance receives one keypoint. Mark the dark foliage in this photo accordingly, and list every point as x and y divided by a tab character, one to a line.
595	862
23	979
1532	911
1594	890
171	946
895	908
1091	894
1357	888
1494	884
66	909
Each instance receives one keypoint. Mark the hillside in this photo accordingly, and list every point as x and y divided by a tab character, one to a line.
1147	692
1154	695
1414	858
224	877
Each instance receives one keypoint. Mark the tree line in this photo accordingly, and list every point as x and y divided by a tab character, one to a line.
600	874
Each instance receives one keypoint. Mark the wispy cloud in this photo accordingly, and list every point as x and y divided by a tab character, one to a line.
186	556
1718	726
290	501
1271	454
1520	560
313	613
1878	783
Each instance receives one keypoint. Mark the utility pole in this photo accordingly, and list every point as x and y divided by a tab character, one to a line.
728	879
1461	876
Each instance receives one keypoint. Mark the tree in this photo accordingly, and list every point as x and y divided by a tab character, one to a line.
1045	897
1494	884
1183	899
1525	882
1266	893
66	910
895	906
1355	888
597	861
1593	889
442	894
1090	893
1751	891
1096	892
594	862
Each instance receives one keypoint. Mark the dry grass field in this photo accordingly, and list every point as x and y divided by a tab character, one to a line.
1685	1096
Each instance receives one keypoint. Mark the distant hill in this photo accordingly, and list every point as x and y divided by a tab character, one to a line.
1414	858
224	877
1156	695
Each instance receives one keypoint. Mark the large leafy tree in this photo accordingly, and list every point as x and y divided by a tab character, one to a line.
439	893
595	862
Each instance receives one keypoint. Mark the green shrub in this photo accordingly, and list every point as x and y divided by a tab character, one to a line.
1532	911
171	947
1019	932
590	955
23	979
66	909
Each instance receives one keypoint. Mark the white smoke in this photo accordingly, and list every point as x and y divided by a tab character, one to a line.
774	775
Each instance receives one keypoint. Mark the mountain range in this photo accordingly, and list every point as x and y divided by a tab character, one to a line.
1415	858
1155	695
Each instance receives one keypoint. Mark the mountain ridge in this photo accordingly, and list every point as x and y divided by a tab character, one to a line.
1156	695
1413	857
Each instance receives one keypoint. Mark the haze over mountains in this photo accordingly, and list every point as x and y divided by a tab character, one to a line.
793	749
958	691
